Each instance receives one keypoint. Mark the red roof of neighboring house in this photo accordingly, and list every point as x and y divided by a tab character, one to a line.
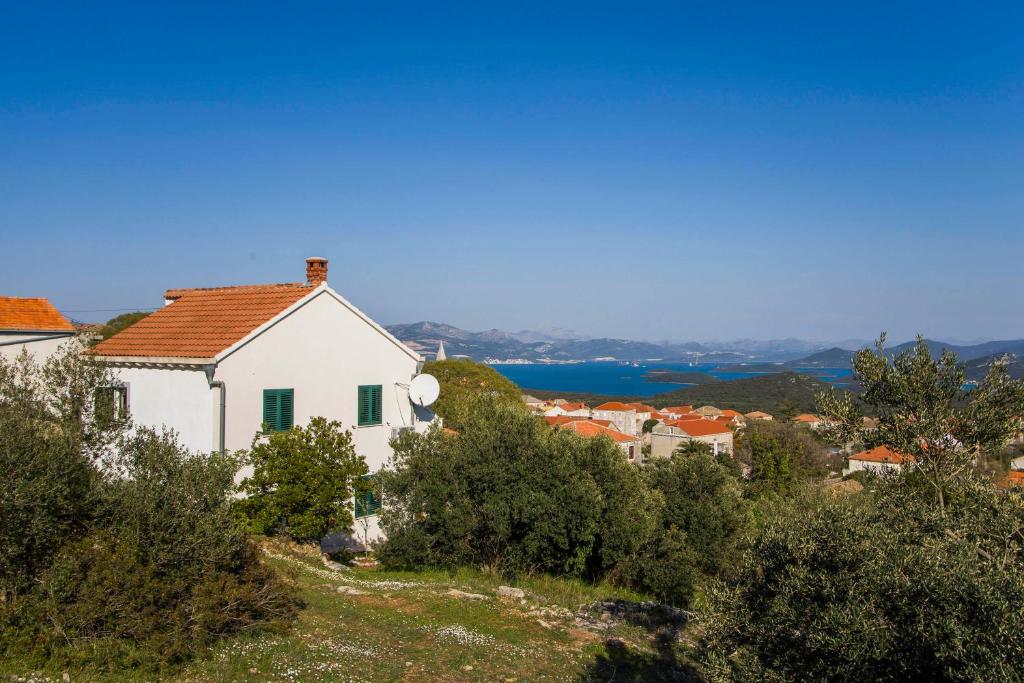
758	415
882	454
679	410
1011	479
806	417
566	419
642	408
591	428
31	315
201	323
729	412
690	416
615	405
701	427
570	407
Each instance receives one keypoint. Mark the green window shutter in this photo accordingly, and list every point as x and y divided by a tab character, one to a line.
287	413
278	409
369	405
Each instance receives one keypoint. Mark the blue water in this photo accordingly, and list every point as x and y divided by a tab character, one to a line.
613	378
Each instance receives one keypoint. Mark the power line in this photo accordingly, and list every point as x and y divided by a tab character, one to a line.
104	310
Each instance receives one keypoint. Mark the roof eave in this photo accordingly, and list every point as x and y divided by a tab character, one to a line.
154	360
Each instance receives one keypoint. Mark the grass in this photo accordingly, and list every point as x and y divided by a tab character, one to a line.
405	626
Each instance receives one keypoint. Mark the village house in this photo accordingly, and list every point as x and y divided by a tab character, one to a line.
708	411
569	409
807	420
759	415
666	438
32	325
622	415
877	460
535	404
220	365
675	412
629	443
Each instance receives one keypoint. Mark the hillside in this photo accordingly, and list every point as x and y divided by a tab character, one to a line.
977	368
373	625
767	393
830	358
966	353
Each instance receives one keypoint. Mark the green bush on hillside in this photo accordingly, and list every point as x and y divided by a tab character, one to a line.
462	380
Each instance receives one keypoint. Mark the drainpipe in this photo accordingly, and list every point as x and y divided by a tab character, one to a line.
219	383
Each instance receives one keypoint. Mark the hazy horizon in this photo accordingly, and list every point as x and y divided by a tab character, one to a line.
684	172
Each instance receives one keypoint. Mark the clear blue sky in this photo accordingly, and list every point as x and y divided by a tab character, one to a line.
683	171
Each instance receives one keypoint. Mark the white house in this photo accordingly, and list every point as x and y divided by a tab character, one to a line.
629	443
667	437
218	364
621	415
879	459
568	409
32	325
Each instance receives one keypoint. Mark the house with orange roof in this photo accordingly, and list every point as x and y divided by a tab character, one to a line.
629	443
808	420
32	325
556	420
667	437
878	459
222	364
622	415
568	408
759	415
677	411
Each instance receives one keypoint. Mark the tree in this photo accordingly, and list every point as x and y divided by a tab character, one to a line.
510	493
649	425
461	380
779	455
50	438
703	500
118	323
925	410
303	481
889	588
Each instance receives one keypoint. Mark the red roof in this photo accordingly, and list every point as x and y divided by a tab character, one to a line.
570	407
806	417
700	427
1011	479
681	410
729	412
566	419
882	454
591	428
615	405
689	417
201	323
641	408
31	315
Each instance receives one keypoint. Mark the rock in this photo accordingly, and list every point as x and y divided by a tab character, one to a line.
510	592
66	677
254	670
543	623
606	617
464	595
467	668
349	590
332	565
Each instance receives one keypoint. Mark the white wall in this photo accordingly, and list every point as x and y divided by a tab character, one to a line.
665	440
38	345
324	352
179	399
870	466
622	420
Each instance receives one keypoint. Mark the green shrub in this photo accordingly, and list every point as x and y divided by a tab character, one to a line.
303	481
462	380
164	572
668	568
894	588
49	440
511	493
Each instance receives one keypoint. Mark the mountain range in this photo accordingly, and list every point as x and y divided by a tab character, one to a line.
564	345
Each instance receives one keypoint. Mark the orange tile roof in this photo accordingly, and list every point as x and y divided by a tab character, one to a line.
1011	479
729	412
615	405
757	415
700	427
682	410
566	419
882	454
591	428
690	416
31	315
642	408
201	323
806	417
569	407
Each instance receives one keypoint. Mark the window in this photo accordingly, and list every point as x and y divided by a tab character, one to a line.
278	409
368	501
111	404
369	405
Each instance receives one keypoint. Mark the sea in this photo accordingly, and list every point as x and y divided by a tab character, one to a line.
617	378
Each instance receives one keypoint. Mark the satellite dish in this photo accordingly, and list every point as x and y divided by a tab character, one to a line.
424	390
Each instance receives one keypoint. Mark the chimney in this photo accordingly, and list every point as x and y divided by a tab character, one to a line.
316	270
